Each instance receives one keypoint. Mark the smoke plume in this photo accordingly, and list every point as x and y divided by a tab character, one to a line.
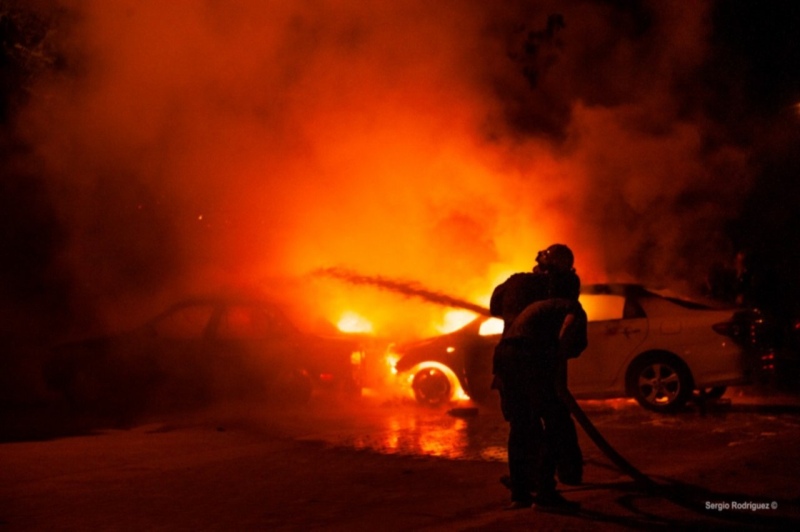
189	145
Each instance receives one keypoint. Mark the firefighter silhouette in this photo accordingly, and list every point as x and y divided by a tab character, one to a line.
544	326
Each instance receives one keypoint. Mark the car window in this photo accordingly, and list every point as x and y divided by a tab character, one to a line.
633	309
658	306
184	322
602	307
249	322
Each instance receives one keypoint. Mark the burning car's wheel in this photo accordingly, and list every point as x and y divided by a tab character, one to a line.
432	387
660	382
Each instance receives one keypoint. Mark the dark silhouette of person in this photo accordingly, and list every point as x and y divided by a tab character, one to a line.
557	262
541	332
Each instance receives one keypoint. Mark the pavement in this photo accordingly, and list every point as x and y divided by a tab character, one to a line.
227	473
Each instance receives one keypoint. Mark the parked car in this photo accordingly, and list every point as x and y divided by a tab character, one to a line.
655	348
199	351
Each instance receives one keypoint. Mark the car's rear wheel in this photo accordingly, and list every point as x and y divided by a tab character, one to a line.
432	387
660	382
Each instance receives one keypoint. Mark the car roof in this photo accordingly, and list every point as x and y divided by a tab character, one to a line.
638	291
617	289
218	301
223	300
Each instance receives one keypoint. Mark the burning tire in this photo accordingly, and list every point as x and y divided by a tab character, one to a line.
432	387
660	382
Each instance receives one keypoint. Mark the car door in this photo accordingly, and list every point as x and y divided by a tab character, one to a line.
252	344
617	327
260	352
177	344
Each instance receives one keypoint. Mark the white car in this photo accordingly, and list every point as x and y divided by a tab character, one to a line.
650	346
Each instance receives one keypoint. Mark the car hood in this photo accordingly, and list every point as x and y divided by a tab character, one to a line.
470	329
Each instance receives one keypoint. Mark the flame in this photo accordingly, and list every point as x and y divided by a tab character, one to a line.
491	326
458	393
372	135
454	320
351	322
391	360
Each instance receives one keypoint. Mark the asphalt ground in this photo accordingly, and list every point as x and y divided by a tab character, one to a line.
730	467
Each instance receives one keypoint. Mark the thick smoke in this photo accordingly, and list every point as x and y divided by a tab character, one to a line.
190	145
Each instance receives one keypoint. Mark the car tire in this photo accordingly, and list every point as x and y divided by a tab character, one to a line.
432	387
660	382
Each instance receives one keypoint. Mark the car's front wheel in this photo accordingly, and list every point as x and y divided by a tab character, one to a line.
432	387
660	382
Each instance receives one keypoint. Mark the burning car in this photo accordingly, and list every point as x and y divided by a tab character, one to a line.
199	351
652	347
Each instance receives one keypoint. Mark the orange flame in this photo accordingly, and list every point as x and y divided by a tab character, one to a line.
351	322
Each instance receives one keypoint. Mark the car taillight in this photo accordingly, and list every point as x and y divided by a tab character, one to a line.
767	361
326	377
748	328
743	333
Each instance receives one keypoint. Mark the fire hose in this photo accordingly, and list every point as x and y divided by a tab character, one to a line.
415	290
588	427
411	289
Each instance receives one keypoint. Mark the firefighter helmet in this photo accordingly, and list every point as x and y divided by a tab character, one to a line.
556	258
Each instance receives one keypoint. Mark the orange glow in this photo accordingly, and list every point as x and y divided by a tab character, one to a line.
614	404
382	166
446	437
391	361
401	385
366	135
491	327
350	322
443	441
603	307
454	320
458	393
